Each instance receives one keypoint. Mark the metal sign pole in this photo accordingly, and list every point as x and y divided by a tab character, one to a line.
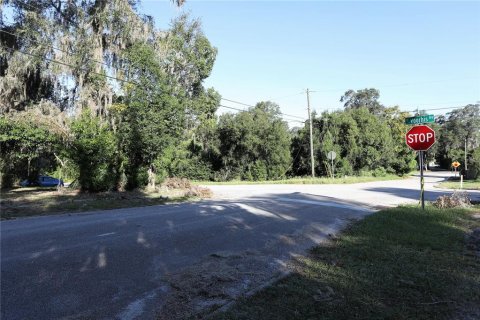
422	193
333	170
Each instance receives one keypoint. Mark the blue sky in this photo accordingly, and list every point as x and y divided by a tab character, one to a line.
424	54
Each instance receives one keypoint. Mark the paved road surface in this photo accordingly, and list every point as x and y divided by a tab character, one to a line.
112	264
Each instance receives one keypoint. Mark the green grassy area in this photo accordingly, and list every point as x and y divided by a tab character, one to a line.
36	201
306	180
467	184
400	263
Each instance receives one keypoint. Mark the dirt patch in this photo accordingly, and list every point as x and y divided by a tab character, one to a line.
23	202
222	277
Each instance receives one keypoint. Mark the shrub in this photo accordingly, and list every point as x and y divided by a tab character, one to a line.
93	149
379	172
474	165
259	171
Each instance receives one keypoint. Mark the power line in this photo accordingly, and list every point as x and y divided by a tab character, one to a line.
53	47
435	109
288	96
243	110
46	8
401	84
110	77
69	65
251	106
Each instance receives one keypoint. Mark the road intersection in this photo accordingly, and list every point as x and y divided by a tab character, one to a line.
119	264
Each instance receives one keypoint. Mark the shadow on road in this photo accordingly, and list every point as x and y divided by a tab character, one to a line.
191	256
404	264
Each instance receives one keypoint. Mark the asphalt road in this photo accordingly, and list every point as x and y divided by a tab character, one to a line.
112	264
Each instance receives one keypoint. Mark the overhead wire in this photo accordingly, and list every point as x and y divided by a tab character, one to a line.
243	110
52	47
229	100
114	78
400	84
69	65
252	106
40	9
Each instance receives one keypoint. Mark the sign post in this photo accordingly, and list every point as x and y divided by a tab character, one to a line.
455	164
420	138
422	181
332	155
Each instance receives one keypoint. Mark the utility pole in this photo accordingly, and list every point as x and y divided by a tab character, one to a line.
466	167
311	133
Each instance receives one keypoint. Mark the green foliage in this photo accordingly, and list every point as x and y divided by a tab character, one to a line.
474	164
26	149
461	125
188	50
379	172
153	117
254	144
93	151
183	161
365	98
363	143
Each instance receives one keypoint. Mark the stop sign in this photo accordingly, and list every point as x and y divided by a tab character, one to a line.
420	138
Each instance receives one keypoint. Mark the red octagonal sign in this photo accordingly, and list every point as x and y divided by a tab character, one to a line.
420	138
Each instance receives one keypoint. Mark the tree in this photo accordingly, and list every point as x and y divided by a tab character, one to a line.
26	148
92	148
362	141
89	38
461	125
153	117
254	143
367	98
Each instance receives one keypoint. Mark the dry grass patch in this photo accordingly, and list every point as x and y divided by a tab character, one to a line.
24	202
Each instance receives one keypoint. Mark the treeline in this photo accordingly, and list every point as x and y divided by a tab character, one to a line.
91	91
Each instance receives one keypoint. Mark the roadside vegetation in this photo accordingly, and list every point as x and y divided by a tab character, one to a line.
401	263
455	184
119	104
307	180
36	201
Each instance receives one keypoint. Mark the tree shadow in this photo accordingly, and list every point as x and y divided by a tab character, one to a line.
187	259
93	265
398	264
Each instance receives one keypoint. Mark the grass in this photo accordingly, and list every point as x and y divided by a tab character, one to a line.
399	263
36	201
467	184
306	180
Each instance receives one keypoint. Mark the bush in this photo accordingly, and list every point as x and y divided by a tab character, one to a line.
343	168
258	171
379	172
93	149
474	165
365	173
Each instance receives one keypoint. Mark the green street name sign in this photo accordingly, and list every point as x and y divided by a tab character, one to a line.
429	118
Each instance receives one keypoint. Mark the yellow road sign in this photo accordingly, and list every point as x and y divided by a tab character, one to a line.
455	164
